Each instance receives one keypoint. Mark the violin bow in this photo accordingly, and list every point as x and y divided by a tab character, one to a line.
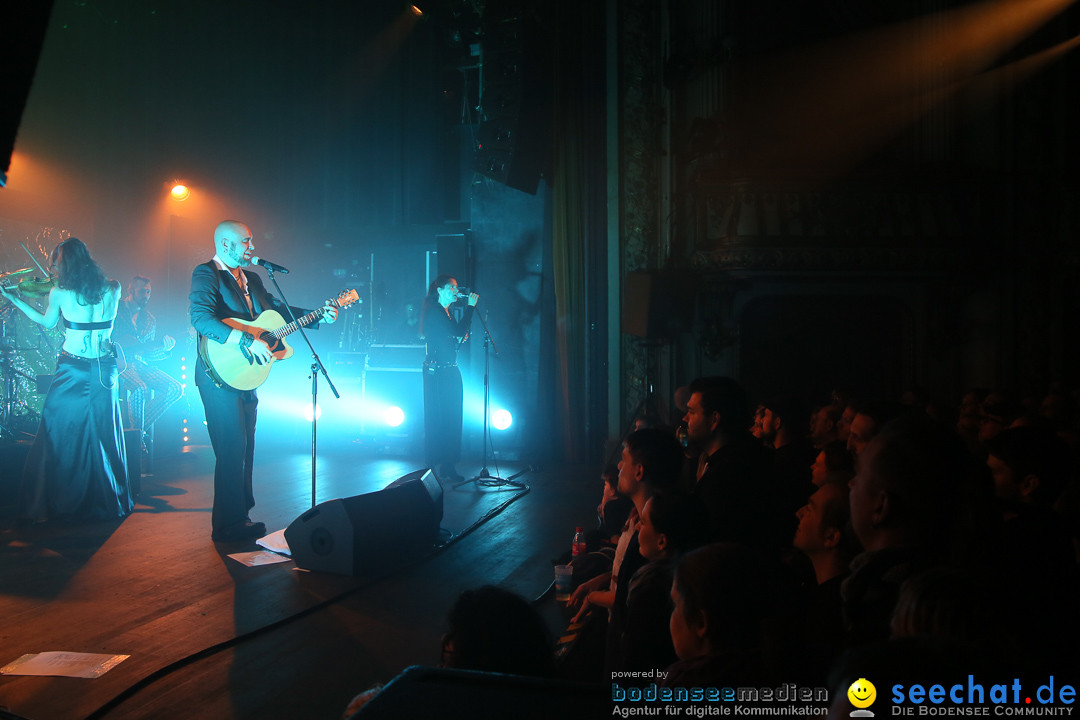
34	259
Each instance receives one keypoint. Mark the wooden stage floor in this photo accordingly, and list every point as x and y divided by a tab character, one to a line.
211	638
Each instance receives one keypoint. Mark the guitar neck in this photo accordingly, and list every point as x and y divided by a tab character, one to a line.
302	321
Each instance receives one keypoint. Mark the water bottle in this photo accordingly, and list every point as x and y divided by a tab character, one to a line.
578	548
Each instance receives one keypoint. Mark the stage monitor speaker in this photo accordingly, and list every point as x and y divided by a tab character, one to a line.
364	534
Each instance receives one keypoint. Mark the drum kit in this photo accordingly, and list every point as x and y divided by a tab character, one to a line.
27	358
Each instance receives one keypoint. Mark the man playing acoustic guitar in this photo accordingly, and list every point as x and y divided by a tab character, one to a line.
221	290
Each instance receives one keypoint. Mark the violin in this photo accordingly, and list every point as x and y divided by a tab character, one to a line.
35	287
32	287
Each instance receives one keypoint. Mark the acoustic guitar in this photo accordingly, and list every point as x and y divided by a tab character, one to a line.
236	367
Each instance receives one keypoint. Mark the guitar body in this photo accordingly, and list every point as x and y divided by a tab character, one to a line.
229	365
236	367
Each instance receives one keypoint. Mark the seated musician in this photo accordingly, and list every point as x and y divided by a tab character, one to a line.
149	390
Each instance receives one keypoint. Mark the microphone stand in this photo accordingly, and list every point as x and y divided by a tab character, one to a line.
485	475
316	367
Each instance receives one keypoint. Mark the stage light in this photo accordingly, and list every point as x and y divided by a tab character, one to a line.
394	416
416	11
307	412
180	192
502	419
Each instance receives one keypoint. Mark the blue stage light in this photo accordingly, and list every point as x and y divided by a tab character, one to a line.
502	419
394	416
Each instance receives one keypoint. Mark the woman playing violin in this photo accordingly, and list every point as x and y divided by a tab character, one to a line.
77	466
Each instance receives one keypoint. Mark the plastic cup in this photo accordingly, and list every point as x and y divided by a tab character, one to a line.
564	580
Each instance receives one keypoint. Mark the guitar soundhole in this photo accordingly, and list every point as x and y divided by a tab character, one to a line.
272	342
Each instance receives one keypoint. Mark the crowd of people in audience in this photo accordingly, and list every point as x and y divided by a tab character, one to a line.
806	544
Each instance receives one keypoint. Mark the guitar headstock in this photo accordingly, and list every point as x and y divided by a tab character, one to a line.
345	298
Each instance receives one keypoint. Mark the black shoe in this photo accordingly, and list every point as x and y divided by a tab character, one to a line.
241	531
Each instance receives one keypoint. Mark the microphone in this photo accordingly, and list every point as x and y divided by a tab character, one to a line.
463	291
256	260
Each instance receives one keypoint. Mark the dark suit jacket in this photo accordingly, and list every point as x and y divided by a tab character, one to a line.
215	295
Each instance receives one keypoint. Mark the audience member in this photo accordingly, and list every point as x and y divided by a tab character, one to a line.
824	534
906	504
953	604
843	425
650	462
968	416
495	630
733	474
612	511
833	464
491	630
825	537
784	426
868	421
682	396
755	423
1059	409
724	623
823	425
998	411
1030	468
671	524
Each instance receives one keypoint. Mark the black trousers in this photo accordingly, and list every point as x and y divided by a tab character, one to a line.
230	420
442	415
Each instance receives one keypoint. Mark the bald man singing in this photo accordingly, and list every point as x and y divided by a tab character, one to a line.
221	288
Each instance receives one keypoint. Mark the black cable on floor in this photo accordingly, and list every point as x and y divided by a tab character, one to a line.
183	662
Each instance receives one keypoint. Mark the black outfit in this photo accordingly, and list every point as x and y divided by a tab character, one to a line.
647	636
442	385
823	635
230	413
736	492
869	593
77	467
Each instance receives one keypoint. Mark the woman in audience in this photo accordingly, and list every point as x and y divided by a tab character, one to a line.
670	526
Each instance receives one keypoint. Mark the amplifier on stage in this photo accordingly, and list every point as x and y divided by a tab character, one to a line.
351	363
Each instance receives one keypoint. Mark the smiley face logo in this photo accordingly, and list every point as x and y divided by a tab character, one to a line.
862	693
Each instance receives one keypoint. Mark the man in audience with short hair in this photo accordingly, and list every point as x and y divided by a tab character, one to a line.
733	474
833	464
825	537
784	426
907	501
823	425
868	421
1030	468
